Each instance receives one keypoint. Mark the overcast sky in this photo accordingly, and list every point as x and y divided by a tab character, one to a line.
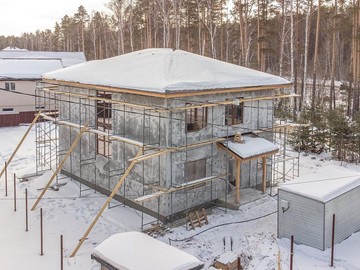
19	16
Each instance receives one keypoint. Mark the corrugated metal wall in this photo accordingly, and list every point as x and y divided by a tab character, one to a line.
347	216
304	219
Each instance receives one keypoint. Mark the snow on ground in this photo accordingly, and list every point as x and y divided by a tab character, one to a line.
67	214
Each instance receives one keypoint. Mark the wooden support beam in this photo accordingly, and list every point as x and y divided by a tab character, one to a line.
166	94
111	137
228	102
175	149
20	143
264	174
131	105
76	141
116	188
162	191
238	181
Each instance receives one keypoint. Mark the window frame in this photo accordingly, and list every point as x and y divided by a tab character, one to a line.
234	114
195	118
104	124
195	165
10	86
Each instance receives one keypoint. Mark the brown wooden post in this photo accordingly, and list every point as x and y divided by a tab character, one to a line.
61	252
291	252
6	193
332	241
238	182
26	211
41	233
14	192
264	175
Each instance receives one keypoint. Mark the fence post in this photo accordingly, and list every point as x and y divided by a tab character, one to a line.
14	192
41	233
332	241
61	252
26	211
291	252
6	191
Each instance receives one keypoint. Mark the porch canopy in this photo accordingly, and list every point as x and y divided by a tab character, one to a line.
136	250
251	147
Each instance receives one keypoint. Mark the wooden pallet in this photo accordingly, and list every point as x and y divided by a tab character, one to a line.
198	218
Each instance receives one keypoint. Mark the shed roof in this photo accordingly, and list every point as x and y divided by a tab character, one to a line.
135	250
252	147
165	71
324	185
29	69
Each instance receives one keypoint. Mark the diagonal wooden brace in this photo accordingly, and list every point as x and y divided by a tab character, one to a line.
20	143
116	188
76	141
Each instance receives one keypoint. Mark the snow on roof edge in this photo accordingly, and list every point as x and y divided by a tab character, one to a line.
166	71
324	185
118	251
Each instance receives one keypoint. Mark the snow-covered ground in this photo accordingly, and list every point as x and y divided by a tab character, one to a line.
65	213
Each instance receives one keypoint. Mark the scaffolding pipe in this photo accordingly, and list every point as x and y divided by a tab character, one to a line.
111	137
77	139
116	188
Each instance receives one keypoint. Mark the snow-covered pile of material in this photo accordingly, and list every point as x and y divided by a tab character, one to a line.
251	147
135	250
326	184
165	70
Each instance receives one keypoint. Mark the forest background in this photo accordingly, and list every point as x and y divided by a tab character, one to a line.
315	44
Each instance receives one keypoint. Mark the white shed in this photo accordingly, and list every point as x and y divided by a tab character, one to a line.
306	207
136	250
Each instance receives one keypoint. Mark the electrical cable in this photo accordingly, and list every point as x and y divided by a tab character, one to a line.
220	225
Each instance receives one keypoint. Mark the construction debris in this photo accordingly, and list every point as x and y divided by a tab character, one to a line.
196	218
228	261
157	229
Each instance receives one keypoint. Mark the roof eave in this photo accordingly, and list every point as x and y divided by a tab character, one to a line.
166	93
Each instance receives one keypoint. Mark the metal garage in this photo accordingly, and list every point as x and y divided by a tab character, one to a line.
306	207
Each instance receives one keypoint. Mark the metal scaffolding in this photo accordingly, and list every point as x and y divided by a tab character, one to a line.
65	113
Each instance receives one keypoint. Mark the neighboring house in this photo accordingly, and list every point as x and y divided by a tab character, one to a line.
163	121
19	72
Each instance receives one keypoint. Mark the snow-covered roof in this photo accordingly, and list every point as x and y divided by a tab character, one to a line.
21	69
11	48
67	58
165	70
252	146
324	185
135	250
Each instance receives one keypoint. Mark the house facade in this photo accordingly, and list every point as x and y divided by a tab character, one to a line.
20	70
158	117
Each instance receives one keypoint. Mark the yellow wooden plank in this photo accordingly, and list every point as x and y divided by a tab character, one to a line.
264	175
116	188
77	139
